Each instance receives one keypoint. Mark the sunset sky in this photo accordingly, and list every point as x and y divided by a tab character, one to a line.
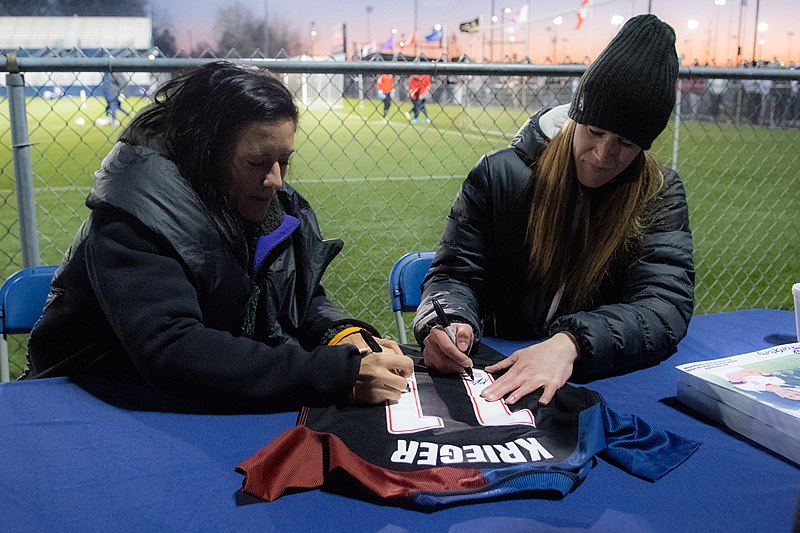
713	32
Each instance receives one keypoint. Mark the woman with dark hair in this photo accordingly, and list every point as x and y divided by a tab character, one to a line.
199	267
574	234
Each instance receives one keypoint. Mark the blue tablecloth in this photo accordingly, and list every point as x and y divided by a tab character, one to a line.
70	461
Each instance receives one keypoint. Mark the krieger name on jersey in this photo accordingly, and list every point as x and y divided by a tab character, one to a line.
430	453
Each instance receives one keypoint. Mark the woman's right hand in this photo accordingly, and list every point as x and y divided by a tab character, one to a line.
382	376
440	353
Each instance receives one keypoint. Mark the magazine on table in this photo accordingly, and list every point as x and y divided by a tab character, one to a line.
756	394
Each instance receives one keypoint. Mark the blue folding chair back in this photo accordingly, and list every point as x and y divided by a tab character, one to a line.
405	279
22	299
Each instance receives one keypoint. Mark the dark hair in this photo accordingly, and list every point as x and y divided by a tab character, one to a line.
200	113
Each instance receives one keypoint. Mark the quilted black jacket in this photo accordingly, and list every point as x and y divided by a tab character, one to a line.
149	290
479	271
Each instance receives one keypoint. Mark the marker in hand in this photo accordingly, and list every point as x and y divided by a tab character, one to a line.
445	323
373	346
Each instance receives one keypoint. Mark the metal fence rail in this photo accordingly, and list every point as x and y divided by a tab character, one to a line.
384	185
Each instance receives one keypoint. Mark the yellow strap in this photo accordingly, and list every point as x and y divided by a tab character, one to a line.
342	334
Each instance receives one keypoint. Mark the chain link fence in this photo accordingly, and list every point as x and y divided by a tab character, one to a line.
384	184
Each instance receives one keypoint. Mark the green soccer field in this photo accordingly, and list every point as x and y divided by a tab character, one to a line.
384	186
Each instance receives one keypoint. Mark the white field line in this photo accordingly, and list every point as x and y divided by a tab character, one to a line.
381	178
357	118
445	131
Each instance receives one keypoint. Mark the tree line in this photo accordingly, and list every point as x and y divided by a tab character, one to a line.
236	27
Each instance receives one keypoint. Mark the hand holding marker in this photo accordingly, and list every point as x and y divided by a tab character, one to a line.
445	323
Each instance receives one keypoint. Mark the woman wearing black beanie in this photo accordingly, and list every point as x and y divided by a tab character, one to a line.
573	234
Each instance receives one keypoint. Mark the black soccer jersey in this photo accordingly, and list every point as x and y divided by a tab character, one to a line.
442	443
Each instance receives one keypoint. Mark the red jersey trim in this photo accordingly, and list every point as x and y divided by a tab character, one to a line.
306	458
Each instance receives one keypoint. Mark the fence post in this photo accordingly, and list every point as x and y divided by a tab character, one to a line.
676	131
23	173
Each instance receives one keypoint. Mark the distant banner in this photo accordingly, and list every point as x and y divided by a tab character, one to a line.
470	26
581	13
337	39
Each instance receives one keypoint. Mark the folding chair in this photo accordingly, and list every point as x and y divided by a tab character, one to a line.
405	279
22	299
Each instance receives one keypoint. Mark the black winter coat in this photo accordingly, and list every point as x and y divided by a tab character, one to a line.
150	291
479	272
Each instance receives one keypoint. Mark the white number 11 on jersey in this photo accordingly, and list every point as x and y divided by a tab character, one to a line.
406	416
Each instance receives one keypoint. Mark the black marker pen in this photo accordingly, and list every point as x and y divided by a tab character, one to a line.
445	323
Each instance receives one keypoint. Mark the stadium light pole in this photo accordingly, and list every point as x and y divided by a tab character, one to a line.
266	28
739	33
416	35
761	28
755	33
370	9
692	25
491	37
493	19
506	11
718	3
528	24
558	21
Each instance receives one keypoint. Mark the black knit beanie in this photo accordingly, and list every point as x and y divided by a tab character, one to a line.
630	87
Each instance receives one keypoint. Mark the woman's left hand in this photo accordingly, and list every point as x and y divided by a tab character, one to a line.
547	365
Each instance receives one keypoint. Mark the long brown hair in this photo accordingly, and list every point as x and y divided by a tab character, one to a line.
574	233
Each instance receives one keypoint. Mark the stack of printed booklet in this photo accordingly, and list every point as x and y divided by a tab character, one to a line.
756	394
